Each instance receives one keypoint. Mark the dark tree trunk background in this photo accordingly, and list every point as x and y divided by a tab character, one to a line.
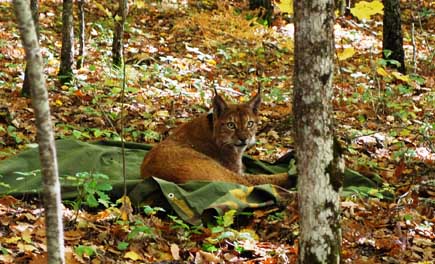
81	14
67	51
392	34
45	135
117	45
34	7
319	167
267	9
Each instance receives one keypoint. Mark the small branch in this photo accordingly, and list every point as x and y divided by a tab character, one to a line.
414	50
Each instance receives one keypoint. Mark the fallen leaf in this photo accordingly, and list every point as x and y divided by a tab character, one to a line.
175	251
346	54
133	255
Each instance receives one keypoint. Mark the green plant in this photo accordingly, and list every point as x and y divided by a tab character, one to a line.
82	250
148	210
404	153
4	251
122	245
139	229
92	189
277	216
178	223
209	247
12	132
185	230
227	219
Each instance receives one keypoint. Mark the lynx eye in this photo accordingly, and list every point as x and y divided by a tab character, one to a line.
231	125
250	124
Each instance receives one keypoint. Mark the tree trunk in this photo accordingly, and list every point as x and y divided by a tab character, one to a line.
117	47
267	9
392	34
319	173
47	150
67	51
34	6
81	57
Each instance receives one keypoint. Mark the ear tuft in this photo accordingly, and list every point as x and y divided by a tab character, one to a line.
255	102
219	105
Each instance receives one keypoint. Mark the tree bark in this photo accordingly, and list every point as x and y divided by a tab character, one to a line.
392	34
34	7
81	57
47	150
117	46
319	171
67	51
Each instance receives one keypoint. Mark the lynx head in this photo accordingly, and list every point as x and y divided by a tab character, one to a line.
235	125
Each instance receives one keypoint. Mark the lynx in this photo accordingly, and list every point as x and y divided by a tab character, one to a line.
210	147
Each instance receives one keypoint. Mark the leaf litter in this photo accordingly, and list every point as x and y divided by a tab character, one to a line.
174	58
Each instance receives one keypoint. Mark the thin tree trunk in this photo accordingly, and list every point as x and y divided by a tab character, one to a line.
47	150
67	51
318	174
34	7
117	46
392	33
81	57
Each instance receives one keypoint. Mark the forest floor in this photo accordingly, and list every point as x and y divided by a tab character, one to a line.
175	56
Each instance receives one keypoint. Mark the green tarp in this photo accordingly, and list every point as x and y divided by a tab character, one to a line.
19	176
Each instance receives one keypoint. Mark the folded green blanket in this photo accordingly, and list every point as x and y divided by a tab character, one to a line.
20	176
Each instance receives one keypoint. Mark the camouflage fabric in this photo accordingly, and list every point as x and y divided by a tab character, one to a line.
195	201
19	176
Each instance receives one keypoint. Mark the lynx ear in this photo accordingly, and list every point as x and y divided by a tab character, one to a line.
255	102
219	105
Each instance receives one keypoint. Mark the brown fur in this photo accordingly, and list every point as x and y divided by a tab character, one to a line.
210	148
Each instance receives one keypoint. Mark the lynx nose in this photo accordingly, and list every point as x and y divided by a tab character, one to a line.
241	142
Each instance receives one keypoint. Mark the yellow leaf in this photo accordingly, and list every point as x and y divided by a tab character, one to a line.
25	247
162	113
58	102
118	18
211	62
52	62
381	71
64	87
346	53
373	192
251	232
242	55
102	8
401	77
12	240
132	255
126	208
139	4
285	6
27	235
405	132
364	10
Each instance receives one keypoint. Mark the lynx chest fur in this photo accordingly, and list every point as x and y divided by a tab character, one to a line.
210	147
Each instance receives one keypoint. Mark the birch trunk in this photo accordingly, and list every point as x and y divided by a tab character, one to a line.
34	6
318	177
47	150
